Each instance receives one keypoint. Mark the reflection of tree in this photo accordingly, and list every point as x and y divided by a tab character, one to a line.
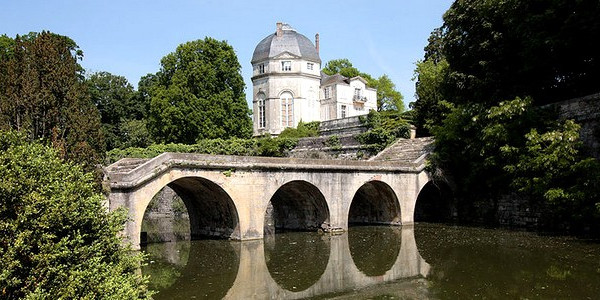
484	263
209	271
374	249
165	263
297	260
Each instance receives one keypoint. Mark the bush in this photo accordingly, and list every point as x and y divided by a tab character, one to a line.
309	129
56	238
384	128
264	146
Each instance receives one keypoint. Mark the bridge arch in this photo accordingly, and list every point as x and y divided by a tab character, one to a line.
434	202
297	205
212	211
375	202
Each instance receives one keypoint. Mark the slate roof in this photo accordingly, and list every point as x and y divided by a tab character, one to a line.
291	41
335	78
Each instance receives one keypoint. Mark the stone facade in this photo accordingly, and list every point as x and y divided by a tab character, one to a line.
288	86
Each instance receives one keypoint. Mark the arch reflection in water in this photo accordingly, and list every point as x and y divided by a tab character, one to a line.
261	263
374	249
206	269
296	260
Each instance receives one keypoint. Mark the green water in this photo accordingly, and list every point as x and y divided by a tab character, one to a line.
427	261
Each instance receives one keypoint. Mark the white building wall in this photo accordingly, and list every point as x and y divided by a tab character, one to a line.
301	82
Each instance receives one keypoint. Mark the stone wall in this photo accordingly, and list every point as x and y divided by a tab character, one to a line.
586	112
166	218
517	211
345	126
330	147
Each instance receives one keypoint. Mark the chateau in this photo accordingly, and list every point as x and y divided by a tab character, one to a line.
289	87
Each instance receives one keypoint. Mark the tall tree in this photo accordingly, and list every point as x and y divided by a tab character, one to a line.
118	105
500	49
431	106
388	98
199	94
42	92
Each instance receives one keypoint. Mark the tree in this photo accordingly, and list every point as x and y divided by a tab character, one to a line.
42	93
431	106
501	49
343	66
118	105
482	71
199	94
56	238
388	98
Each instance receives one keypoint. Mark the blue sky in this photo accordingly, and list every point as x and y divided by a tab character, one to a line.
129	38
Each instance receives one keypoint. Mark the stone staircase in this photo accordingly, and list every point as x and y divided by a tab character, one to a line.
406	150
126	164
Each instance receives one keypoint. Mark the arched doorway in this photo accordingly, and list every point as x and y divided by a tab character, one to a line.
297	206
374	203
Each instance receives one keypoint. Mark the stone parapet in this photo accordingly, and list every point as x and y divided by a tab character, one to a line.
345	126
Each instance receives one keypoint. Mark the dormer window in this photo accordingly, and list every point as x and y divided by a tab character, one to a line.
286	66
310	66
327	92
261	69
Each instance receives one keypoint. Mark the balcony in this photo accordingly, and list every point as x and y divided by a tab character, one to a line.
359	98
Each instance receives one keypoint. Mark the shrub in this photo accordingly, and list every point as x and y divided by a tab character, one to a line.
56	238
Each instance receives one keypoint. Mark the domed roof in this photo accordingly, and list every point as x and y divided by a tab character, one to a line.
288	41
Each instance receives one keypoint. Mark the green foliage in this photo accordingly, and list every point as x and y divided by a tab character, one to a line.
388	98
376	139
345	68
134	133
513	146
119	109
56	238
384	128
431	107
42	93
309	129
333	142
264	146
199	94
538	48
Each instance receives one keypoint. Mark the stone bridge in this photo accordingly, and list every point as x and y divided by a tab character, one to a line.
242	198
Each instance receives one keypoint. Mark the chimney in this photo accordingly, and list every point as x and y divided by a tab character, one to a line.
317	42
279	29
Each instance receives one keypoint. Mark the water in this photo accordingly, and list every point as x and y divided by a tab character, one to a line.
427	261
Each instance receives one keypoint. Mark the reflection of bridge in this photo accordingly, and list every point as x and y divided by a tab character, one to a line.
241	197
341	274
257	279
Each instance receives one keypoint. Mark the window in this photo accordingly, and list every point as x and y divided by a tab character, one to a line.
287	110
343	111
286	65
326	92
310	66
261	69
357	93
262	122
